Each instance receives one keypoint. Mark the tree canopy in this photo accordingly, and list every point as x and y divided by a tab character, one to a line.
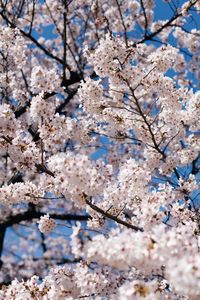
99	150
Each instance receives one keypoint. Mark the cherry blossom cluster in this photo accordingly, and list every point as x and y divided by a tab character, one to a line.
13	57
76	175
46	224
20	192
44	80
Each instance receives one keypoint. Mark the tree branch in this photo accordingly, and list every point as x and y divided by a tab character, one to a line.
109	216
32	214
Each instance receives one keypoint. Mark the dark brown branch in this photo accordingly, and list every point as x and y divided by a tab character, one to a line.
156	146
167	24
123	24
64	35
43	245
110	216
32	18
32	214
145	18
43	169
20	8
195	168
